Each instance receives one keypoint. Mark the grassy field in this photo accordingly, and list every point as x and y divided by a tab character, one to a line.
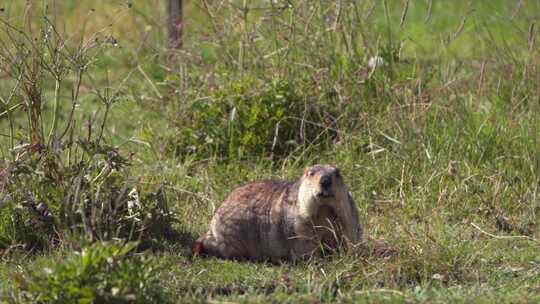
439	146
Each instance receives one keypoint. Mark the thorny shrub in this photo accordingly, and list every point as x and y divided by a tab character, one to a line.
61	181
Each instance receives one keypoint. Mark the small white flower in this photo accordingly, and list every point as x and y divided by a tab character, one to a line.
438	276
41	207
133	202
115	291
375	62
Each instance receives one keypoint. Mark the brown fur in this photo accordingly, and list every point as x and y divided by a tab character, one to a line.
275	220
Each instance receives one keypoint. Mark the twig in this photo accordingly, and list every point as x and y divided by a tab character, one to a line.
429	11
13	108
504	237
382	290
404	14
152	85
56	109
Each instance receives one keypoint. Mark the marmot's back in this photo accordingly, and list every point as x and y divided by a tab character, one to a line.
258	194
250	222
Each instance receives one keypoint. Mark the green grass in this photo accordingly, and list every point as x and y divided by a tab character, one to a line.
439	147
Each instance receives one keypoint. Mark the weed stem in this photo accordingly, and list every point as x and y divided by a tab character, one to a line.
56	110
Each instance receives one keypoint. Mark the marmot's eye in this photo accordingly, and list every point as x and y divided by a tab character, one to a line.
311	172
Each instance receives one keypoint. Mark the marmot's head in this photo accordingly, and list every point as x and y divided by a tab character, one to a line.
321	185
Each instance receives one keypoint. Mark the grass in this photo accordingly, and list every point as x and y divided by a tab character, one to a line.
439	146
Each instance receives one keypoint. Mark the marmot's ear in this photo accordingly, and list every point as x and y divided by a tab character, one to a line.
309	171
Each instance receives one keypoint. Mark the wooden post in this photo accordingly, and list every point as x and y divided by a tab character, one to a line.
174	23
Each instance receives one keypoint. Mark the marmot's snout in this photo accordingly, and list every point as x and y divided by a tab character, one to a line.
325	183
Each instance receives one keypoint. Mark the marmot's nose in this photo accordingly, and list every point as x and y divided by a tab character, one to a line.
326	182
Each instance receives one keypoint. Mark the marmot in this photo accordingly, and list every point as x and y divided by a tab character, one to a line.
278	220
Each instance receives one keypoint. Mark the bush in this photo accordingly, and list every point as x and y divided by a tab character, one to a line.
250	117
62	180
100	273
93	199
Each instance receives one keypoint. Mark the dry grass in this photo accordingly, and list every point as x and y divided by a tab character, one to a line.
439	145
